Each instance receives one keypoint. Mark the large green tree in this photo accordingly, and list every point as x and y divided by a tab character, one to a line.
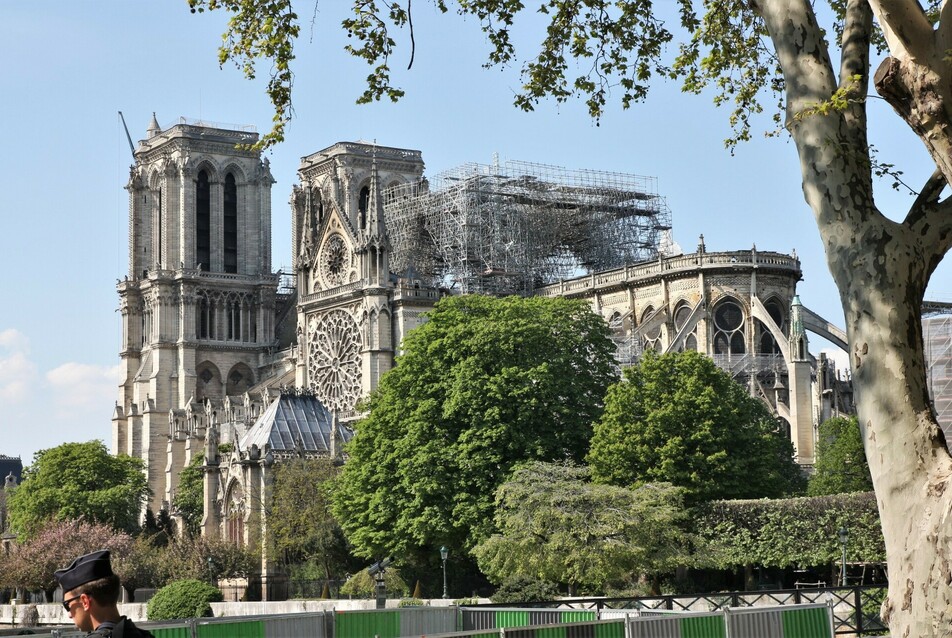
841	465
555	525
677	418
822	73
484	384
79	481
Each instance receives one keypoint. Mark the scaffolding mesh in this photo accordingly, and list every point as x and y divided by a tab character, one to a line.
510	228
937	338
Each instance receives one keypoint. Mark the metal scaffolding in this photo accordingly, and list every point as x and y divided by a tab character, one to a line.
937	339
510	228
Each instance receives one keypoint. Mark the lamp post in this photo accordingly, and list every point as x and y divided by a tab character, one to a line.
211	572
444	552
844	536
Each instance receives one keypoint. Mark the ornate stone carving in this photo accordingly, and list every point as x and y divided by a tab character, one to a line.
333	359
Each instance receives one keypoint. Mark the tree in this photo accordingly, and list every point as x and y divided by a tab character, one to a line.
483	385
79	480
301	525
556	526
743	48
189	500
54	546
677	418
840	459
363	585
204	558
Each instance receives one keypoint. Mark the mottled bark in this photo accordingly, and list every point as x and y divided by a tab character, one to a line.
882	268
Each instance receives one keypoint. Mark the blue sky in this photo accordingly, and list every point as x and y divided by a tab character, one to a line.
69	67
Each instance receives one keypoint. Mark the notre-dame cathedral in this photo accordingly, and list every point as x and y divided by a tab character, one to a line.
218	349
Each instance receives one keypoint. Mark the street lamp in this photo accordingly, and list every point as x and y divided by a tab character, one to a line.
444	552
844	536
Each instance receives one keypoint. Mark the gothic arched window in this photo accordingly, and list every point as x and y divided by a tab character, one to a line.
681	316
203	221
362	203
230	224
729	328
234	320
204	319
652	337
768	345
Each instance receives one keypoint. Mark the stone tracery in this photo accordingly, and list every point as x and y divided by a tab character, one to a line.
333	355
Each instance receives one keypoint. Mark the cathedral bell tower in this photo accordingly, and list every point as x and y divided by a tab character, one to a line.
198	302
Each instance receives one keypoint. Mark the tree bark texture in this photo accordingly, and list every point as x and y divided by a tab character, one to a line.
881	269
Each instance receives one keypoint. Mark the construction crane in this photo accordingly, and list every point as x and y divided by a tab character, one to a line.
128	137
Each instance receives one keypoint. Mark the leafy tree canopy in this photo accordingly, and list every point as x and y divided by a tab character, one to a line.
189	499
79	481
363	585
302	527
485	384
677	418
556	526
841	465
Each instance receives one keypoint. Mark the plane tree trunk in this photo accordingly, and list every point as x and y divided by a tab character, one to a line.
882	268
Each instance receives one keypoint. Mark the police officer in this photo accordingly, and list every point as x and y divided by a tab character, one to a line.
90	596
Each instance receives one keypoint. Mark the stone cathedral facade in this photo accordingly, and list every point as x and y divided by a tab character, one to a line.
215	350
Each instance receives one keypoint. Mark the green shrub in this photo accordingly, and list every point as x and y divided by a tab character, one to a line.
183	599
362	585
412	602
524	589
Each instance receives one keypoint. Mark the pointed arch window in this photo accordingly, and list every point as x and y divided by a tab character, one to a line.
651	338
230	224
234	320
203	221
204	319
681	317
362	204
729	328
768	345
317	208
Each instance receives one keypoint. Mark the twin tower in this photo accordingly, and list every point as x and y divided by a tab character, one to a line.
209	332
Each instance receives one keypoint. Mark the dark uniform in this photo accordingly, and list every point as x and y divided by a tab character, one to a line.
125	628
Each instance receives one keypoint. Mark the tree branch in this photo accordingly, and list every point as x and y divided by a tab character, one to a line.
930	222
854	64
928	197
944	31
906	28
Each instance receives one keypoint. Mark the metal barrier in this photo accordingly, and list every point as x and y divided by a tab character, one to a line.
394	623
855	609
495	618
591	629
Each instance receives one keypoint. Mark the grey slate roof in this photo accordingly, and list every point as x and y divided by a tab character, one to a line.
291	418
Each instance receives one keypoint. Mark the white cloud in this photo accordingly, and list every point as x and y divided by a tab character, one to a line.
17	372
82	386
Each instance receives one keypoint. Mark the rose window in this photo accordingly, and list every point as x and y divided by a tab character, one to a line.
334	261
333	362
